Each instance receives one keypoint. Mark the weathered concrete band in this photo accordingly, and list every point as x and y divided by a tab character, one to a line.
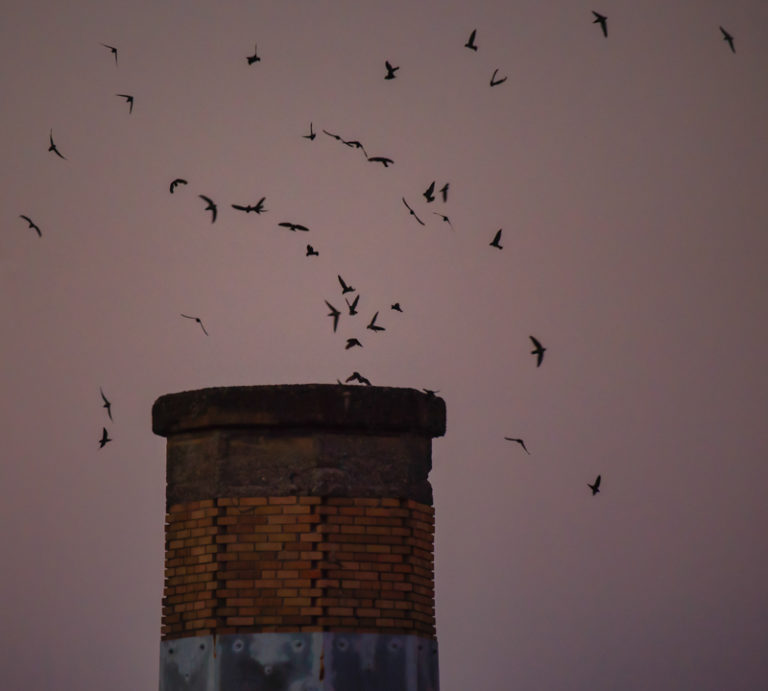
312	440
308	661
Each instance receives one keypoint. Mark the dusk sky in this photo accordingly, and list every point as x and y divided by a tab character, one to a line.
629	175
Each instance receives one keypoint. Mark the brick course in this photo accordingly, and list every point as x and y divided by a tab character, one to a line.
299	563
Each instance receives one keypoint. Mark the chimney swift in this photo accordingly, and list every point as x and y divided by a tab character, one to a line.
311	134
335	136
129	100
344	287
496	242
312	252
104	438
211	206
352	305
258	207
727	37
351	343
53	148
444	217
412	212
390	70
471	42
333	313
431	393
602	20
396	307
253	58
373	326
596	487
429	193
113	50
293	226
356	376
32	224
538	350
497	81
175	183
444	191
381	159
519	441
353	143
198	320
107	404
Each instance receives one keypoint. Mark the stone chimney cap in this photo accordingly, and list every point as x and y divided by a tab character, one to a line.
374	409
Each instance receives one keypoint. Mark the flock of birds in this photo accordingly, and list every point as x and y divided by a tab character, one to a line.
349	293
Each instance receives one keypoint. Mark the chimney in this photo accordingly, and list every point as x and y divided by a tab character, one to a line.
299	539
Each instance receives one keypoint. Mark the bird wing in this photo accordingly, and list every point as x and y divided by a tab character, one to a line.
471	40
298	226
597	482
536	343
344	286
497	237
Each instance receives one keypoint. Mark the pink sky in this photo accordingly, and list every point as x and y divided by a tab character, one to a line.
629	175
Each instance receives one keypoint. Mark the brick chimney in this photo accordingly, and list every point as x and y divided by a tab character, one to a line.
299	539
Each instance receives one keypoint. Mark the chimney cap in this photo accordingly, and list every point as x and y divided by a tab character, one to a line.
313	406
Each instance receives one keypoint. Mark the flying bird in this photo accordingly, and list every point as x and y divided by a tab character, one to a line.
129	99
258	207
312	252
107	404
602	20
519	441
293	226
32	224
335	136
113	50
353	305
104	438
429	193
596	487
351	343
412	212
390	70
311	134
496	242
431	393
354	144
198	320
53	148
471	42
333	313
538	350
211	206
373	326
344	287
727	37
253	58
444	217
175	183
497	81
356	376
444	191
396	307
381	159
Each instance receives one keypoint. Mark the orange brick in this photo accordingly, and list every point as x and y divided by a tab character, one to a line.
283	500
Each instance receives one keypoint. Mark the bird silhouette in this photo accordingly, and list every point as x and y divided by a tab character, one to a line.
471	42
496	242
113	50
352	305
333	313
129	100
428	194
53	148
198	320
293	226
390	70
107	404
344	287
596	487
602	20
175	183
351	343
373	326
356	376
311	134
396	307
519	441
538	350
312	252
497	81
335	136
258	207
412	212
211	206
727	37
445	218
253	58
381	159
354	144
444	191
431	393
104	438
32	224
